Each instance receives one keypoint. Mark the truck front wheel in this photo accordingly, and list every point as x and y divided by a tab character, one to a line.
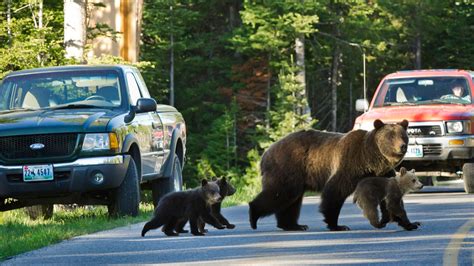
126	198
163	186
468	176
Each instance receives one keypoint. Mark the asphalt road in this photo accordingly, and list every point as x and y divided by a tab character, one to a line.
445	237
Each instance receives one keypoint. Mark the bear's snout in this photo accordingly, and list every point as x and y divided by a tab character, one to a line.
403	148
217	198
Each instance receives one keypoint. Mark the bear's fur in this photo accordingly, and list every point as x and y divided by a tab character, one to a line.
190	205
225	189
324	161
387	192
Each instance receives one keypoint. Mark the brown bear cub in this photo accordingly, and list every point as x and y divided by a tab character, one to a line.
226	189
191	205
324	161
387	192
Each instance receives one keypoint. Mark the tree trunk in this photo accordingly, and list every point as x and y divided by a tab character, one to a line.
417	36
139	9
418	51
40	15
269	100
171	59
40	27
301	75
334	83
74	28
9	22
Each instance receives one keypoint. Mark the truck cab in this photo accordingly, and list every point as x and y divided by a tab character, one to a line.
441	129
86	135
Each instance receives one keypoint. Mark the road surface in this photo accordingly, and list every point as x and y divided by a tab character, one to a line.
445	237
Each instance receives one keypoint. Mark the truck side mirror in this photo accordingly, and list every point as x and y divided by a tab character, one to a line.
362	105
145	105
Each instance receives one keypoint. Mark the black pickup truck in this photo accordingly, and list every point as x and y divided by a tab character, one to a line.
89	135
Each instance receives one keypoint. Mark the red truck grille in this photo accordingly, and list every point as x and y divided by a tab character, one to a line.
424	131
55	145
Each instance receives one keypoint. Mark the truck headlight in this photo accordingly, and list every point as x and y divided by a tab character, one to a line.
100	142
455	127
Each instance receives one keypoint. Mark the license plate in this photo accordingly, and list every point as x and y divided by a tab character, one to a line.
414	151
38	172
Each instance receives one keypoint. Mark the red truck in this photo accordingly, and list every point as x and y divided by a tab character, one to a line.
439	106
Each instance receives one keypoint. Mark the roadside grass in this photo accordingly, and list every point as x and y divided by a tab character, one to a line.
19	234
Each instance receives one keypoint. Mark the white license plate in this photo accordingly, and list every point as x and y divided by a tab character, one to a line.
414	151
38	172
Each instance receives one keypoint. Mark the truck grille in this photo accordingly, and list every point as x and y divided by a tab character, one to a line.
432	149
424	131
55	145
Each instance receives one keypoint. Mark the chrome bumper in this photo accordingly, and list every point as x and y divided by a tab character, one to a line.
451	147
118	159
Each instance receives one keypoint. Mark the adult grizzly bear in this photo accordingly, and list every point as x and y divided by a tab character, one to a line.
324	161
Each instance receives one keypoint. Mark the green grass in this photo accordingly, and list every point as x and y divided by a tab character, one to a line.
19	234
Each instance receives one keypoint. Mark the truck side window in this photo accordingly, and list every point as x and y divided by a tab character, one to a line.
133	89
141	84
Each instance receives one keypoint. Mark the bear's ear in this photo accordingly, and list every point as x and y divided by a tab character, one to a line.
403	171
378	124
404	124
204	182
412	171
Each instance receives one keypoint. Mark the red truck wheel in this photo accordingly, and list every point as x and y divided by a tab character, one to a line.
468	176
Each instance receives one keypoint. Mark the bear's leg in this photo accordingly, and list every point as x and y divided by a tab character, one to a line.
287	219
216	212
372	214
399	214
267	202
193	223
153	224
333	196
179	227
201	226
168	228
385	214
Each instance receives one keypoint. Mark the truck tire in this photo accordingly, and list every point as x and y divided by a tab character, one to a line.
163	186
468	176
126	198
40	211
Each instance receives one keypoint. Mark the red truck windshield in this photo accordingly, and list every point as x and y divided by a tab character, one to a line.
423	90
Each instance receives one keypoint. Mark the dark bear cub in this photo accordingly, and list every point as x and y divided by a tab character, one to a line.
226	189
191	205
387	192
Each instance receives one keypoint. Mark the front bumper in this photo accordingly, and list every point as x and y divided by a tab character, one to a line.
71	177
444	148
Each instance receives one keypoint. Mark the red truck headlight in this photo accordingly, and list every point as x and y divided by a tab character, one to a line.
456	127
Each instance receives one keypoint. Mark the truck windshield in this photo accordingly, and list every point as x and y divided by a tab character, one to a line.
423	90
55	89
